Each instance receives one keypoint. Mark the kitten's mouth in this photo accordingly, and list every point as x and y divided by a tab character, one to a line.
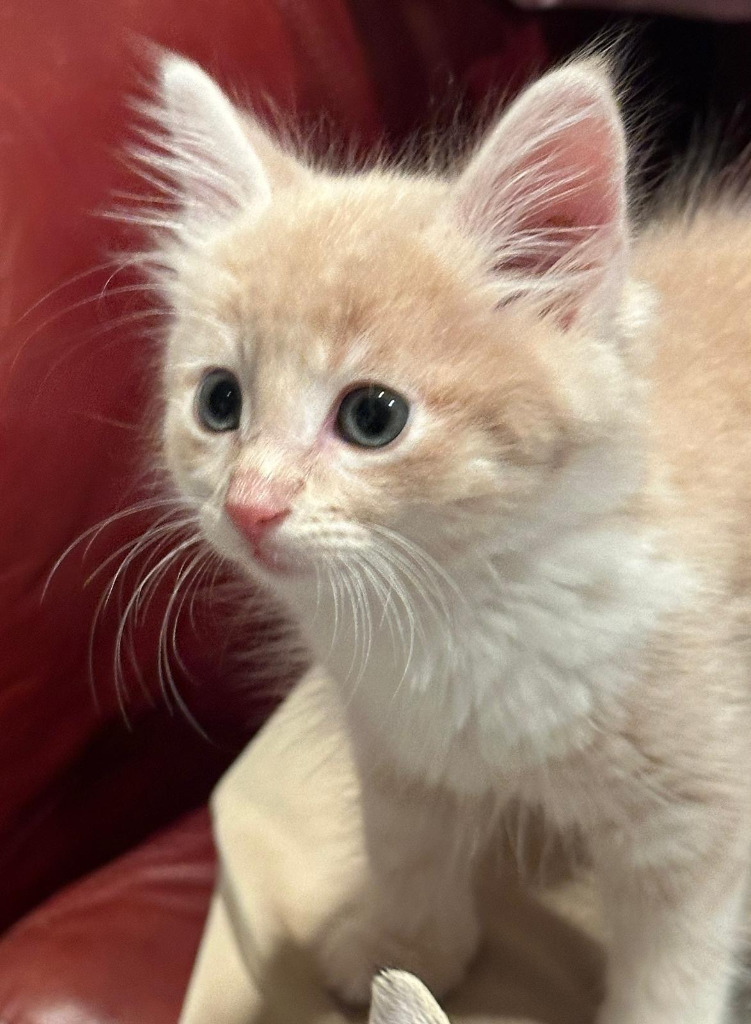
274	558
258	524
274	561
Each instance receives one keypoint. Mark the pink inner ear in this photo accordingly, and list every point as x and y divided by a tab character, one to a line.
589	157
583	202
205	151
547	189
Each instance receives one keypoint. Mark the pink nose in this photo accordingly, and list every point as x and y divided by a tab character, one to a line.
255	519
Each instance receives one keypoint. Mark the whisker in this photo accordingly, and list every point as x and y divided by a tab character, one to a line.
159	569
92	533
413	621
169	525
119	263
155	540
147	593
362	623
426	559
211	560
169	637
72	307
161	528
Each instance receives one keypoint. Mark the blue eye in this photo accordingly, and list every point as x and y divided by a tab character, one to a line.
372	416
219	401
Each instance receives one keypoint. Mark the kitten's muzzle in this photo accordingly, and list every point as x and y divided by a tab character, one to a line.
256	506
255	521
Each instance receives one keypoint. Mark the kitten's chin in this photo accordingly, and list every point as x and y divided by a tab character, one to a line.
274	563
267	560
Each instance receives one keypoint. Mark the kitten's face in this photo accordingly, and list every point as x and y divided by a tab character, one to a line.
305	307
350	375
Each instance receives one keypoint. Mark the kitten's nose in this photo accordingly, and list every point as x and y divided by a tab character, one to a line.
256	503
255	518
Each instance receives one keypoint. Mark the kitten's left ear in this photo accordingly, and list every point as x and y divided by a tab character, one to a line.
546	193
207	151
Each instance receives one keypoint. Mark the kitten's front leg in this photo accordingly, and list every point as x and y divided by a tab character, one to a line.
673	929
416	910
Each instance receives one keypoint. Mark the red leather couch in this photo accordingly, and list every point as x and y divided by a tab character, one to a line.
105	852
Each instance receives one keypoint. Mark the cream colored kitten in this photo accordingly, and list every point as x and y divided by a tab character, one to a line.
494	454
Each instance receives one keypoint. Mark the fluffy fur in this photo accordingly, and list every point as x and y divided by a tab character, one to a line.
540	591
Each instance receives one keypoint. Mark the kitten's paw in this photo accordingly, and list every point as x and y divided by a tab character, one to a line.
354	949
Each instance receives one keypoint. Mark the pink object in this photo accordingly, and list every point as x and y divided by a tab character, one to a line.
255	519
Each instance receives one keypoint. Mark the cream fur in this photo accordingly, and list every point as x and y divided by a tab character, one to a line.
540	591
289	831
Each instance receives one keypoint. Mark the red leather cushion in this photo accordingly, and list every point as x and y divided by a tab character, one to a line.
117	946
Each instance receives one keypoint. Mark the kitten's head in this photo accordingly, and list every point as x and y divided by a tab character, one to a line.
364	364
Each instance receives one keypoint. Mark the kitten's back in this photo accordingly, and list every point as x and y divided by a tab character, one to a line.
700	402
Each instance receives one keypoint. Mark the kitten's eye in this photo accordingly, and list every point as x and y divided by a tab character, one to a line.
372	416
219	401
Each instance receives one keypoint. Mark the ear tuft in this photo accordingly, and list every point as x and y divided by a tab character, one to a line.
546	193
399	998
204	150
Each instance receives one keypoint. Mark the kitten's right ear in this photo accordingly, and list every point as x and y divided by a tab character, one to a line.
206	152
546	193
399	998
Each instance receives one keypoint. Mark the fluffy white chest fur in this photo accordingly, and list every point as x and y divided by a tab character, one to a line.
514	667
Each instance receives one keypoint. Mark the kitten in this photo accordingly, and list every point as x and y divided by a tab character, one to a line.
492	449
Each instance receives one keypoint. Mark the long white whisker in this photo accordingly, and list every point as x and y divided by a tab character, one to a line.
168	639
362	618
153	535
90	535
160	568
210	561
423	558
119	263
147	592
353	617
390	575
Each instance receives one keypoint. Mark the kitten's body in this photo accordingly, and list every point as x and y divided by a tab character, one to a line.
542	590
